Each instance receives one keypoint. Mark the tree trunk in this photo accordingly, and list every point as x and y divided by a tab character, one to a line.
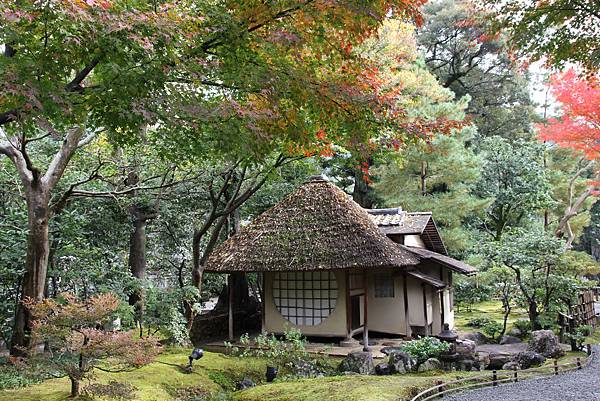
75	391
36	265
534	316
137	262
362	193
423	177
37	188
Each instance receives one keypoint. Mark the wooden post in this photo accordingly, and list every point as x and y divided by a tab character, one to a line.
556	367
441	295
348	307
263	302
589	349
516	376
425	309
494	378
230	305
406	313
366	307
441	388
578	363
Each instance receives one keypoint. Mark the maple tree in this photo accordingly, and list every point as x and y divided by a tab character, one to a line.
224	80
577	128
563	31
70	70
72	329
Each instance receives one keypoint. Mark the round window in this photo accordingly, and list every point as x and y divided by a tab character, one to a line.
305	298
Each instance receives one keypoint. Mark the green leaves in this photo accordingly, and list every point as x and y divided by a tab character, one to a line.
514	176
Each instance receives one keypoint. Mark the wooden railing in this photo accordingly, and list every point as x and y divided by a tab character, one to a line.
495	378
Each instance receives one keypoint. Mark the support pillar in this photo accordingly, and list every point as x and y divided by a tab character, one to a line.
366	314
406	311
230	305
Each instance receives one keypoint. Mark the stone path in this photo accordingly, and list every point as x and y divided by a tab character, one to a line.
578	385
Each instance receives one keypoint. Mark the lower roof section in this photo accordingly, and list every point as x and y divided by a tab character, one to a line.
451	263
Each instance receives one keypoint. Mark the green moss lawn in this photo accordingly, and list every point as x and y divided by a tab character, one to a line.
490	309
159	381
215	375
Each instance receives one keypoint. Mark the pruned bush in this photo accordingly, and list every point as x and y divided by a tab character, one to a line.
524	326
288	352
479	322
425	348
492	329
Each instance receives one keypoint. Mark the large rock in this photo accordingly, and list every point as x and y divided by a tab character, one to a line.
245	384
545	342
515	332
390	349
465	365
482	360
477	337
306	369
401	362
498	359
430	364
512	365
529	359
509	340
466	348
383	369
358	362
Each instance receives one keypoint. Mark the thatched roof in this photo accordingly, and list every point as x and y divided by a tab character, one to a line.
393	221
317	227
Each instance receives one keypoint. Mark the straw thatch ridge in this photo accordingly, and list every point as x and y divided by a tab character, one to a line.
317	227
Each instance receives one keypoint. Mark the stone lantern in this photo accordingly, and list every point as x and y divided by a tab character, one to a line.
448	336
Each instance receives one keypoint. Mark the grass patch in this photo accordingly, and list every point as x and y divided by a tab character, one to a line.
489	309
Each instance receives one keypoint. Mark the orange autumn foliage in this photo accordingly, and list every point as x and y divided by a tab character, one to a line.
578	127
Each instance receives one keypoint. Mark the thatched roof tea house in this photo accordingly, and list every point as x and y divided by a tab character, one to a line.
332	268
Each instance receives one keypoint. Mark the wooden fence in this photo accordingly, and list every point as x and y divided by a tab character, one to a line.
582	313
495	378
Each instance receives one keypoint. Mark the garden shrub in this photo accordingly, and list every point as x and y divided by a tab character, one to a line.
283	353
523	325
492	329
479	322
425	348
580	335
14	372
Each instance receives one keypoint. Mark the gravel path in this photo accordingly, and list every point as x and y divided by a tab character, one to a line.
578	385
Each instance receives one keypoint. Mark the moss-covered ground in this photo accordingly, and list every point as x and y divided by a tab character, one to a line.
215	375
490	309
160	381
594	338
